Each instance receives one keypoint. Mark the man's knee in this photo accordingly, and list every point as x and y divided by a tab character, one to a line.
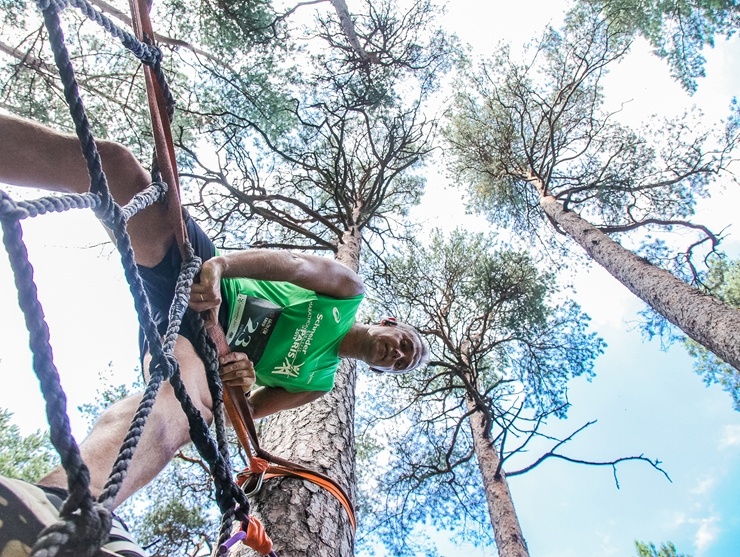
120	413
126	176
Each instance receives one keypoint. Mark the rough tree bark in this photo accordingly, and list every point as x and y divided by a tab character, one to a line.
704	318
506	529
319	435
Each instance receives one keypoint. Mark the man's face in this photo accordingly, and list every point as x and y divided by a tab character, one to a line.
392	349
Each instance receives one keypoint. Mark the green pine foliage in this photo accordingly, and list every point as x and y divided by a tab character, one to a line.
647	549
232	56
535	127
521	130
678	30
501	336
25	457
722	281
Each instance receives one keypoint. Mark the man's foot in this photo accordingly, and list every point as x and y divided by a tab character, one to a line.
26	509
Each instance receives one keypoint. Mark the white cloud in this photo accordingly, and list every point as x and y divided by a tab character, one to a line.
730	436
706	533
679	520
609	546
704	485
707	529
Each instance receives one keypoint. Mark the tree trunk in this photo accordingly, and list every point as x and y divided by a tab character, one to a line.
348	27
506	529
704	318
301	518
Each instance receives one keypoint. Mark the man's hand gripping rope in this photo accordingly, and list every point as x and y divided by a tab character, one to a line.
236	369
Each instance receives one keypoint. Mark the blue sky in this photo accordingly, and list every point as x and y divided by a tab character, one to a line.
646	401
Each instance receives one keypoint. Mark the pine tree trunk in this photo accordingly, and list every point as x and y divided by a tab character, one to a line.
506	529
348	27
704	318
301	518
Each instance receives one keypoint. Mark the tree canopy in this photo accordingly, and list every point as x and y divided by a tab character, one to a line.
540	154
504	346
25	457
678	31
647	549
359	134
534	126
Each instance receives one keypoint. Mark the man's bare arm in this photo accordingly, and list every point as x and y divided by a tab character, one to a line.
320	274
36	156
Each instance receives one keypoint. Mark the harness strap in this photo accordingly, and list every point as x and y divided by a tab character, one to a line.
260	461
164	145
296	471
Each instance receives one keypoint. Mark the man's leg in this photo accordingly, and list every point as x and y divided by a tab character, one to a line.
166	431
35	156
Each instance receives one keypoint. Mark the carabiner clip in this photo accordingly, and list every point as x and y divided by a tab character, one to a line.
258	486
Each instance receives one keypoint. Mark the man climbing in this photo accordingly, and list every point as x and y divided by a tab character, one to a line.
289	317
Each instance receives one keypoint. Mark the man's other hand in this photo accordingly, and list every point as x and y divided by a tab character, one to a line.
237	370
205	295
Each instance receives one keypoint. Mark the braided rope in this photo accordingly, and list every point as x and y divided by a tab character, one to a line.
144	199
50	204
148	54
98	181
60	432
85	524
208	352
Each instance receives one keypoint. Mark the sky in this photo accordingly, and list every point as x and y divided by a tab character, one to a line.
645	400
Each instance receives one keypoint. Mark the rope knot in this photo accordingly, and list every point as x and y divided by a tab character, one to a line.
9	209
153	56
162	188
107	210
95	529
173	365
81	534
163	365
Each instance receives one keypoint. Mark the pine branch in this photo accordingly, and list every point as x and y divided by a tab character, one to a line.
611	463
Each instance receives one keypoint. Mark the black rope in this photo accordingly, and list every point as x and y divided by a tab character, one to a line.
208	353
90	518
85	524
54	204
148	54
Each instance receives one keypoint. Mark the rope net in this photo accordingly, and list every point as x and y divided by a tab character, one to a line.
85	522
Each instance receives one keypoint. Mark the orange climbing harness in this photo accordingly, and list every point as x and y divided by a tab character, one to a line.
262	465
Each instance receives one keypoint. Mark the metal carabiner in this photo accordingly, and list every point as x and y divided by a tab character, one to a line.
259	484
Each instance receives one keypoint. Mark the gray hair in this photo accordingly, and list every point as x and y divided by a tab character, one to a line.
425	354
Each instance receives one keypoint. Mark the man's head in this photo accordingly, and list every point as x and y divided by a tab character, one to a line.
395	347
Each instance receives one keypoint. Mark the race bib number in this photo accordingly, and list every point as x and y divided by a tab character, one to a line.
251	325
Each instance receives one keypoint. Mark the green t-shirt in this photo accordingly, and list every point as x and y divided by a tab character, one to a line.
291	334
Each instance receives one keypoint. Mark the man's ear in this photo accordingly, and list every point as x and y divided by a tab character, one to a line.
388	321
